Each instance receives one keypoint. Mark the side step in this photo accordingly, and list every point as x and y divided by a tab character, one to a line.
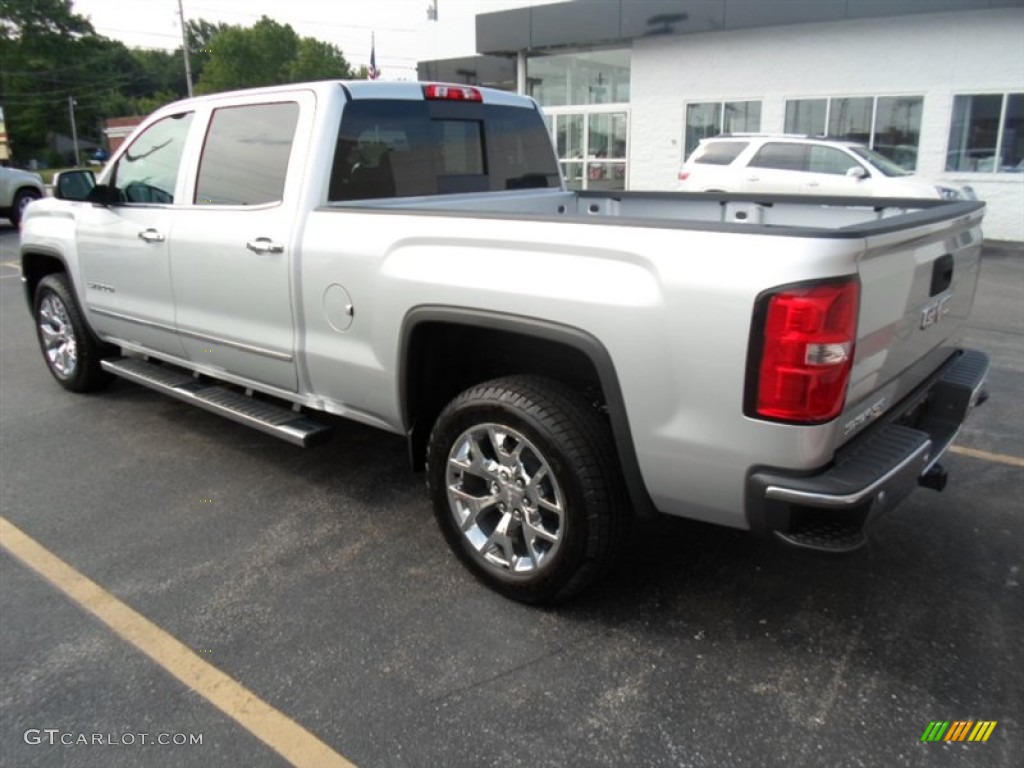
266	417
825	536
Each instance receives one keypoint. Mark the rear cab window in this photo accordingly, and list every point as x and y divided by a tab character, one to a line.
405	148
719	152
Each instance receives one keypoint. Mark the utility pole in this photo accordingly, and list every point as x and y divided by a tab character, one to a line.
74	130
184	48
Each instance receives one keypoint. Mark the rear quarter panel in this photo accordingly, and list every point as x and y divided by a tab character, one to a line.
672	307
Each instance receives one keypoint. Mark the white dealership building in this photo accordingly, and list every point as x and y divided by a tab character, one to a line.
630	86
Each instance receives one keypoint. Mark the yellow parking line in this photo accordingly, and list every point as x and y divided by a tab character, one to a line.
999	458
275	729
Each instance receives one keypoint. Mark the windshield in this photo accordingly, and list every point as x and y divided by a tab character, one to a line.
881	162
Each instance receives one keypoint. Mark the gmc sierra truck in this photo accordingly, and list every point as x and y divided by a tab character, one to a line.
406	255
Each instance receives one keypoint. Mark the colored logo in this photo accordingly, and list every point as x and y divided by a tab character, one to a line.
958	730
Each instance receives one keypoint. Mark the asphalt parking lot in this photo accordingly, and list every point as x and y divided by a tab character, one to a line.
317	580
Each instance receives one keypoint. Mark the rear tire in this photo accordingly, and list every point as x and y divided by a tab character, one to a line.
71	351
526	487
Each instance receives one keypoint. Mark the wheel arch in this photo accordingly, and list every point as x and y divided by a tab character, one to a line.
36	264
496	344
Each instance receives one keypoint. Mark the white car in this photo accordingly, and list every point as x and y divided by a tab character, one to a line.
18	189
799	165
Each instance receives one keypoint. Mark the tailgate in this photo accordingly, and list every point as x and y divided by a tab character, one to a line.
917	290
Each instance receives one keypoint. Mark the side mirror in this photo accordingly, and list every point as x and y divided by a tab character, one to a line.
103	194
856	172
73	185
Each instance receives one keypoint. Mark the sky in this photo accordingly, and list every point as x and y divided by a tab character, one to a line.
401	29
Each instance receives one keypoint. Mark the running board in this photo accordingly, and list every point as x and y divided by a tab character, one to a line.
273	419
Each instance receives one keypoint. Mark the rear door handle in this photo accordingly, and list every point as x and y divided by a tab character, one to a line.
264	245
753	178
151	236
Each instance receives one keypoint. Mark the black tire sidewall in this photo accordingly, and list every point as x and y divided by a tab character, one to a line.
546	584
87	374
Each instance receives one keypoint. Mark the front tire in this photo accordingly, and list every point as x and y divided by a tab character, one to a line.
72	353
526	487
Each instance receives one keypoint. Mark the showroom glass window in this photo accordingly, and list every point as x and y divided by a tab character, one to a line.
986	134
245	156
890	125
147	172
707	119
587	77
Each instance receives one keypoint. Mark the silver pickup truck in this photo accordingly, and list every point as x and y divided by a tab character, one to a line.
406	255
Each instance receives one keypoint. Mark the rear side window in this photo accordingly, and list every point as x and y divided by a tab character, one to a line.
245	156
783	157
719	152
399	148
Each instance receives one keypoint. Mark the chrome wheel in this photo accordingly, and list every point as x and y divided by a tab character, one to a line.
505	499
58	336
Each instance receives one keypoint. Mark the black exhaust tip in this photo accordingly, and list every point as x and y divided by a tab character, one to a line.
935	478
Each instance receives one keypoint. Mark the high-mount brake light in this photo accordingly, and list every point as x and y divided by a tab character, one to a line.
452	93
807	351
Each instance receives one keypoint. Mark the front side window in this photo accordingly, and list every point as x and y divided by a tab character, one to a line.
245	156
147	172
781	157
987	134
830	160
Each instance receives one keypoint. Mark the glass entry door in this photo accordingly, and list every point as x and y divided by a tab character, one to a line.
591	147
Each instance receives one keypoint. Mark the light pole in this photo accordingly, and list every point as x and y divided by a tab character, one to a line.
74	130
184	49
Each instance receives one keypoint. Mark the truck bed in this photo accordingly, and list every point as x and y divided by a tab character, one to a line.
791	215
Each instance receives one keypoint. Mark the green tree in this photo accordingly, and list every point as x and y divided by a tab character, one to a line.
317	60
200	39
267	53
247	57
49	54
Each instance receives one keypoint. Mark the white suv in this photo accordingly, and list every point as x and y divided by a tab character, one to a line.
800	165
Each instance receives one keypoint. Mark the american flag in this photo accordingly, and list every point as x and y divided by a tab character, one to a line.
374	73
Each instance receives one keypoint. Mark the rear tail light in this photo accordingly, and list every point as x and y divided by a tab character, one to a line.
803	340
452	93
684	175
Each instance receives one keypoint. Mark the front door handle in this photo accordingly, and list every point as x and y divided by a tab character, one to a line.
264	245
151	236
753	178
